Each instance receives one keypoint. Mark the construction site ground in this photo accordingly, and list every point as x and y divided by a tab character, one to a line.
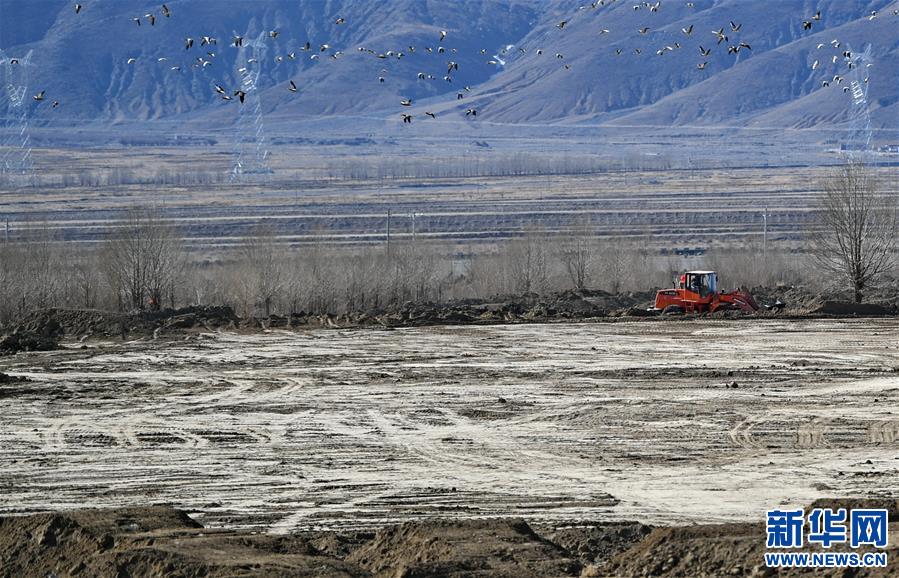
352	431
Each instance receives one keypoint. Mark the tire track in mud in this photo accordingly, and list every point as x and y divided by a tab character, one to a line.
356	428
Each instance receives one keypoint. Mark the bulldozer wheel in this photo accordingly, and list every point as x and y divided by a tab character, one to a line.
673	310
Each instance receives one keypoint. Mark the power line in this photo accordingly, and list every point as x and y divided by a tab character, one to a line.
16	163
250	162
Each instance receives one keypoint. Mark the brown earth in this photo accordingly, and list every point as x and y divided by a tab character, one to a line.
42	330
159	540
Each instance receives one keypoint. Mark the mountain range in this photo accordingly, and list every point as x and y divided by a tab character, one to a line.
616	63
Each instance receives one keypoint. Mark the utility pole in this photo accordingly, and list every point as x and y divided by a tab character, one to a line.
388	233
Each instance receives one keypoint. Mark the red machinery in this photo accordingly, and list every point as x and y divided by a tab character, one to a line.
697	292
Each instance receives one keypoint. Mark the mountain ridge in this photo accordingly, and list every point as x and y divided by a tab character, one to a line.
378	56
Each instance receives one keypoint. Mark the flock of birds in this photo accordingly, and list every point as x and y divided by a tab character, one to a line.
722	35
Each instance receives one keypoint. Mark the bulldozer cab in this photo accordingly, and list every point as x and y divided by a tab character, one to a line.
704	283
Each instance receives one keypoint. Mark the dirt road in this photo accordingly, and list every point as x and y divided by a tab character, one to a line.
665	423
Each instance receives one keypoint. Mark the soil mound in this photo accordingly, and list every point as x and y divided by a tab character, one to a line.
163	541
94	323
594	544
730	549
464	548
33	335
153	541
844	308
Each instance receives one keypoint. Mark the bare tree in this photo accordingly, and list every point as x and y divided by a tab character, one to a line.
262	274
577	253
143	258
856	234
526	264
615	263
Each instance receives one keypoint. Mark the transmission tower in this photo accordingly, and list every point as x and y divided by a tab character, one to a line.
857	144
250	162
16	163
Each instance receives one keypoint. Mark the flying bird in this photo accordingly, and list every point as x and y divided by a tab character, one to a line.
55	103
735	27
39	96
406	102
151	18
704	51
78	8
719	34
132	60
806	25
643	30
561	24
188	43
442	35
471	112
220	90
292	87
274	33
407	118
431	114
702	65
340	21
241	95
208	40
136	20
165	11
688	30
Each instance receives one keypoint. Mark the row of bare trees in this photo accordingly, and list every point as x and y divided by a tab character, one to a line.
144	264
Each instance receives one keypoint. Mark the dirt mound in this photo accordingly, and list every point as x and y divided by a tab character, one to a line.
594	544
729	549
33	335
889	504
844	308
718	550
153	541
94	323
162	541
465	548
526	307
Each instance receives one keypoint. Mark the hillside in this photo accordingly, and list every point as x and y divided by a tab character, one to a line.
506	51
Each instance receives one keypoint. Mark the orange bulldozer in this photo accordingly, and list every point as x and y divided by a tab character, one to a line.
697	292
